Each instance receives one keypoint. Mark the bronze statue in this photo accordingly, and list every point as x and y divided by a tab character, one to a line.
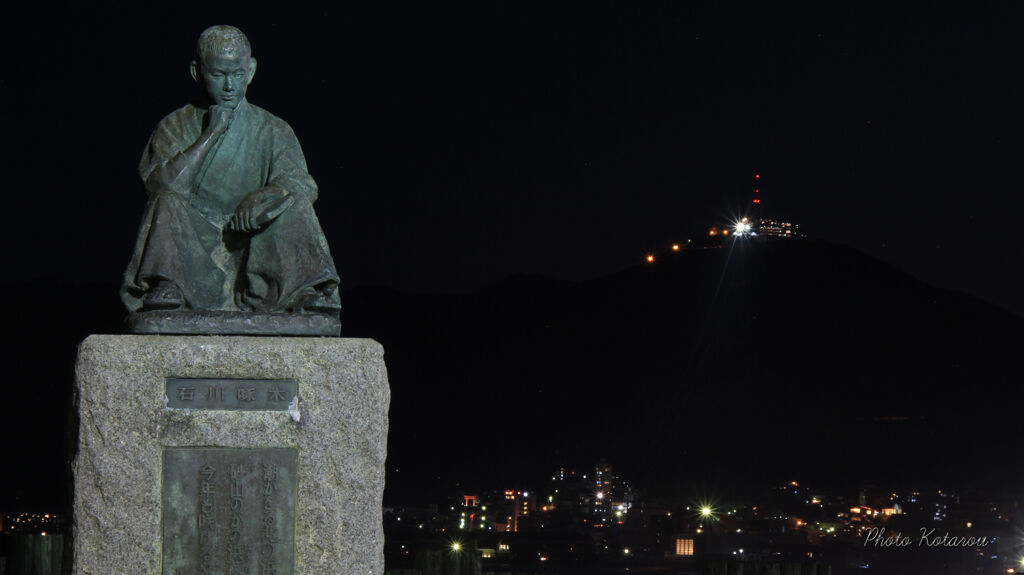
229	227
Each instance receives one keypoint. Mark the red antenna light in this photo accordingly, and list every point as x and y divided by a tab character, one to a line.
757	200
757	176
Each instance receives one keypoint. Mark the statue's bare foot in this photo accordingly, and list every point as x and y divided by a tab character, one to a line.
164	295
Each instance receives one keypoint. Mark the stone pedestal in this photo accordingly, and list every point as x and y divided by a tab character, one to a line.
192	448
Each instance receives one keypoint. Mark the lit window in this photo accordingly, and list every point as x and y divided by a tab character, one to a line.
684	547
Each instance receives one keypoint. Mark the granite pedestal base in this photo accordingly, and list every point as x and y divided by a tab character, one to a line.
192	448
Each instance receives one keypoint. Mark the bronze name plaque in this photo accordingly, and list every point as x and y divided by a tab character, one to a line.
231	394
229	511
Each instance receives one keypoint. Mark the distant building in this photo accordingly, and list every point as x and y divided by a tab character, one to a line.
684	546
778	229
511	513
717	236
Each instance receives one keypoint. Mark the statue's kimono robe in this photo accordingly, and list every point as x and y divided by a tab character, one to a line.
184	239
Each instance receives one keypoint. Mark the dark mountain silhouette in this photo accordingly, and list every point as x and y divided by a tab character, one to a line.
760	360
754	362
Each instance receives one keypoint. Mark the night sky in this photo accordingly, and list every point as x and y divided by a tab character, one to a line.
455	145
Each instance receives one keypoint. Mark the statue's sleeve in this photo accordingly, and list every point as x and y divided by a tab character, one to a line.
169	139
288	166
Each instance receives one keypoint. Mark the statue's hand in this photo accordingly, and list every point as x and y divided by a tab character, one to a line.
220	119
259	208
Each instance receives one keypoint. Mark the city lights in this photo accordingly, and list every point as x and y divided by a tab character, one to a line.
602	504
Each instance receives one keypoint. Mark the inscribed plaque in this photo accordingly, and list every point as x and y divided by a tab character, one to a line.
231	394
229	511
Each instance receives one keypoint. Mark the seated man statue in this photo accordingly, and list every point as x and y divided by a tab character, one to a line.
229	225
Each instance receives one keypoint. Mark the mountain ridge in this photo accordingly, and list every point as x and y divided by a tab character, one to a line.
801	327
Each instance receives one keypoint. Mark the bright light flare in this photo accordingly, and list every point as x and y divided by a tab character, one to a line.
675	247
743	227
650	258
456	546
705	511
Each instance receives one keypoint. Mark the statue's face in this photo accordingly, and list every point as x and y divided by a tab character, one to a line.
226	77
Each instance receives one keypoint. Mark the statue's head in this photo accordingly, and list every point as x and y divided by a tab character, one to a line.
224	65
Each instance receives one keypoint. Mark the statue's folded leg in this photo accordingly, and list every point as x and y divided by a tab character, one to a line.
174	251
289	265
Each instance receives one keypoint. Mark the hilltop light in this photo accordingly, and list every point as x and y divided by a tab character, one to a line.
743	226
650	258
675	247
